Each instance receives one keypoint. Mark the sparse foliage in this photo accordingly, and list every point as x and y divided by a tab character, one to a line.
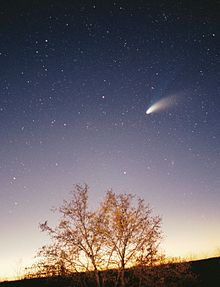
132	233
121	234
78	240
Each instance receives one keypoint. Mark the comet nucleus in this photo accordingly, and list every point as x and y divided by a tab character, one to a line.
161	105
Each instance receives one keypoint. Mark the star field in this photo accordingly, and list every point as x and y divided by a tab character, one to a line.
76	81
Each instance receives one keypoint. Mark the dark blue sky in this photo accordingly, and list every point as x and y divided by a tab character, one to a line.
76	80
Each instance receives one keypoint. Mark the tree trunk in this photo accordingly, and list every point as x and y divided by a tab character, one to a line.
123	277
97	278
117	279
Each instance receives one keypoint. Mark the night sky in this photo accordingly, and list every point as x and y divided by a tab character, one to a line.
76	80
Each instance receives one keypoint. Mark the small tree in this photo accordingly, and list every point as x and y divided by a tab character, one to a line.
132	233
78	237
120	233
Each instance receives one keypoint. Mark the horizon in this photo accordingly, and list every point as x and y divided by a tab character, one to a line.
121	95
11	276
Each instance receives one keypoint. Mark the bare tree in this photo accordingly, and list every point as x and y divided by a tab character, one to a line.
19	269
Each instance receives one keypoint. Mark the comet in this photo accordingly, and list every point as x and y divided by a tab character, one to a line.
162	104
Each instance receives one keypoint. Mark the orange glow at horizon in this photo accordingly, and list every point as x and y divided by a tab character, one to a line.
15	270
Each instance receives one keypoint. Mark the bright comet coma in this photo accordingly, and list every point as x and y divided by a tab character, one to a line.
161	105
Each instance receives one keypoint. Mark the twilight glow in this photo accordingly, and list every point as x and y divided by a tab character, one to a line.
75	80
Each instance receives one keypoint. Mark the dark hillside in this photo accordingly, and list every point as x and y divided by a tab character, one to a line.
207	271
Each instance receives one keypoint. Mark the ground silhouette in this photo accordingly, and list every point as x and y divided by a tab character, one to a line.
206	271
